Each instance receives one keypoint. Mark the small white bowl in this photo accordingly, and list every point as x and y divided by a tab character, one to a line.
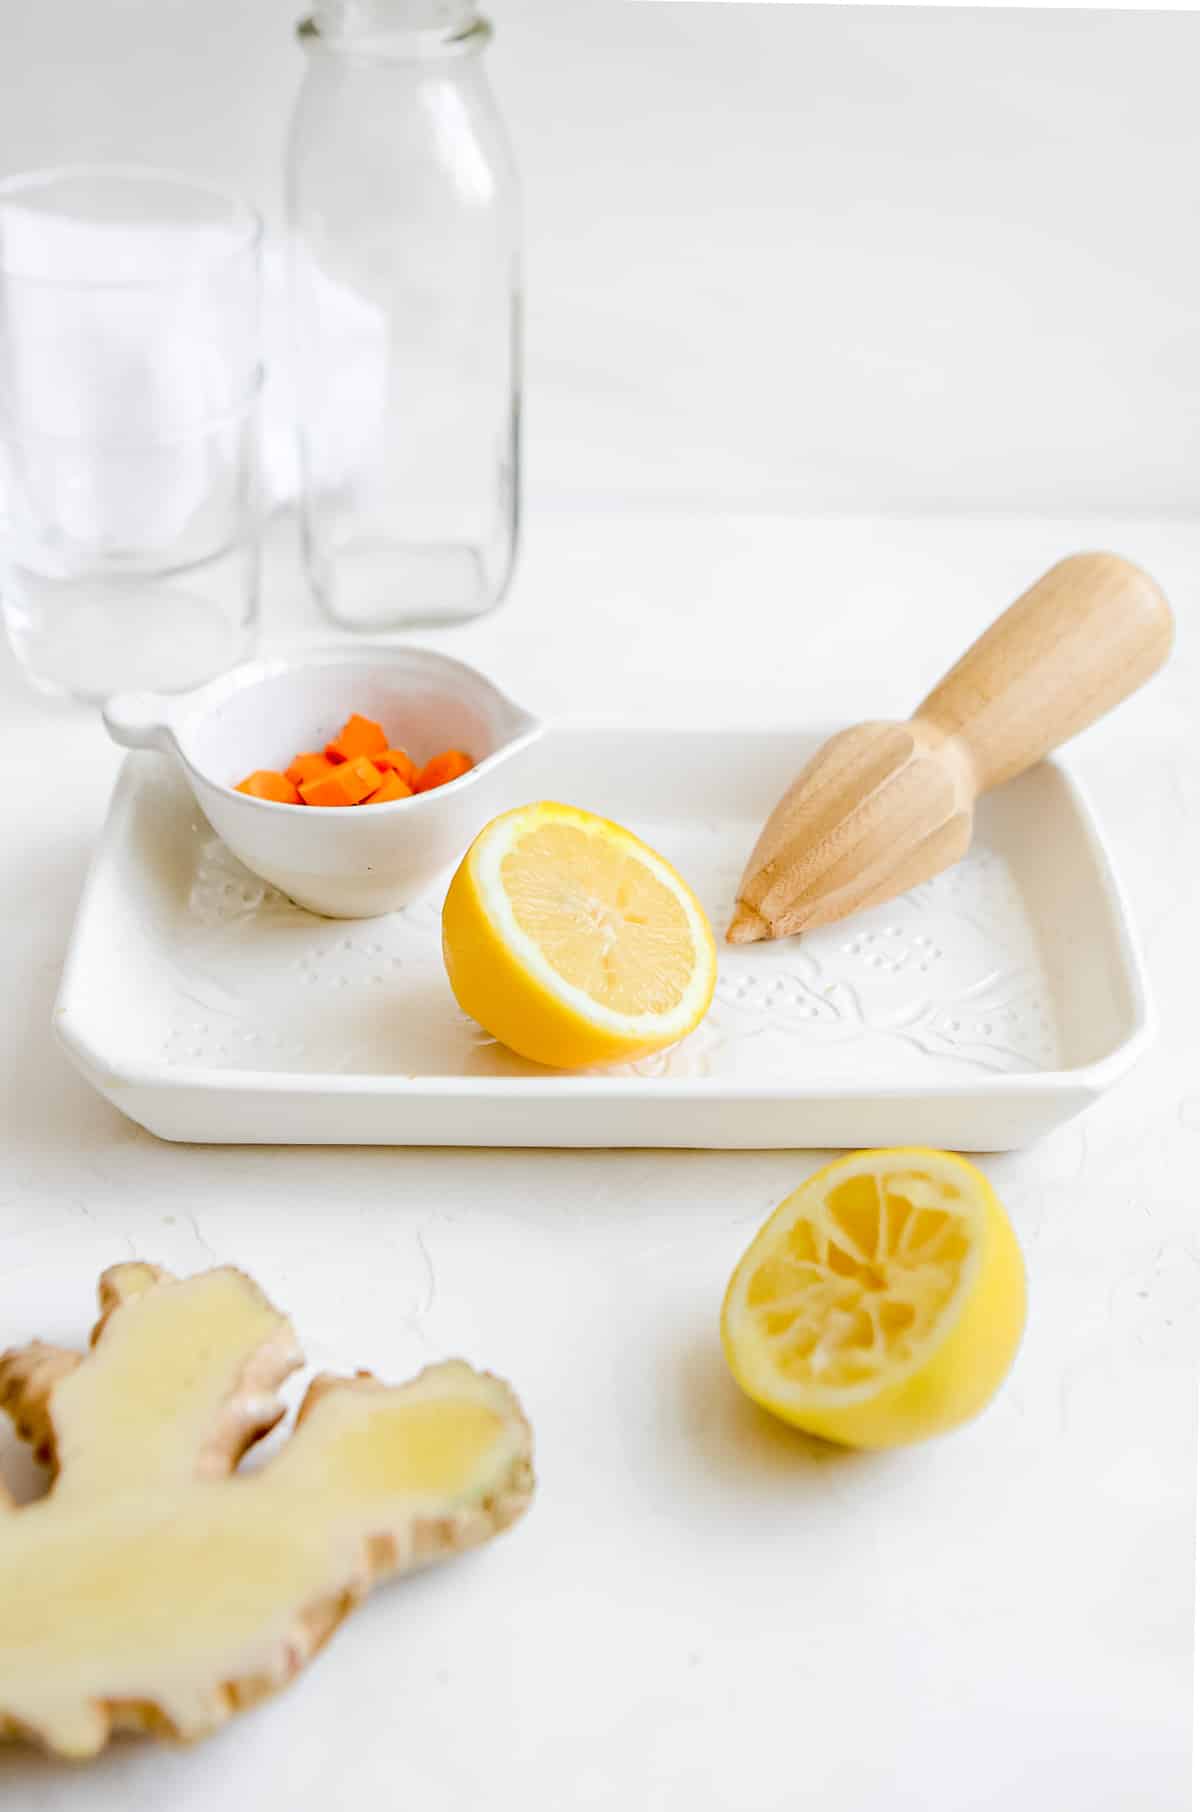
359	861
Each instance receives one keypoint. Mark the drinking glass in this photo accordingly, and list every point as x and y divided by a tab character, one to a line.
130	373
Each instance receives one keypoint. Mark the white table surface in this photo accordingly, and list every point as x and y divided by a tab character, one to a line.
702	1611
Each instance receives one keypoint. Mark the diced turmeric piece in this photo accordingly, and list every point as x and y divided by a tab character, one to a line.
348	784
357	736
265	783
393	788
309	766
366	776
451	764
326	789
399	761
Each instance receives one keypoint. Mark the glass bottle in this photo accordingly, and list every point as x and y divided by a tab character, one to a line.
405	285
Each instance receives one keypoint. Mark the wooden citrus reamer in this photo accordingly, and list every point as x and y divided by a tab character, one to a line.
884	806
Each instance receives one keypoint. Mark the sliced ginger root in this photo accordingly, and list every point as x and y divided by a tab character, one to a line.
151	1590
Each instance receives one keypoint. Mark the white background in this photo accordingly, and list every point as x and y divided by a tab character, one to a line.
868	261
803	256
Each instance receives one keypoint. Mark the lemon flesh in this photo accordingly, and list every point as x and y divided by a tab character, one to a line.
882	1303
572	942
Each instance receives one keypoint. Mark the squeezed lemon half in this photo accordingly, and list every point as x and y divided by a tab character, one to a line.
882	1302
572	942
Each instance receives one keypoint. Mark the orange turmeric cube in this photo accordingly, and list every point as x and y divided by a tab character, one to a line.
308	766
347	784
265	783
357	736
393	788
399	761
447	766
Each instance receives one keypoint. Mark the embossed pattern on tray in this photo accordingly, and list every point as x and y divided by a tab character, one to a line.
944	982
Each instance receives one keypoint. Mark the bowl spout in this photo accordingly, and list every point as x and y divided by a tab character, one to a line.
138	720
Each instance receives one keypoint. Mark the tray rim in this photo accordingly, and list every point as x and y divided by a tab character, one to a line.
1094	1077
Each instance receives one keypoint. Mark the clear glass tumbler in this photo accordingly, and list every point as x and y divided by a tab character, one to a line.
130	373
405	249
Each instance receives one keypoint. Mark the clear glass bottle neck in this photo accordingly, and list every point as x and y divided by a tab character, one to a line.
395	28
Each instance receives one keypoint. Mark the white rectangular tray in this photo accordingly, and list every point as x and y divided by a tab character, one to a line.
976	1012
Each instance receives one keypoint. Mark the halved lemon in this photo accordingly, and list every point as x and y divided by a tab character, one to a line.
572	942
882	1302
